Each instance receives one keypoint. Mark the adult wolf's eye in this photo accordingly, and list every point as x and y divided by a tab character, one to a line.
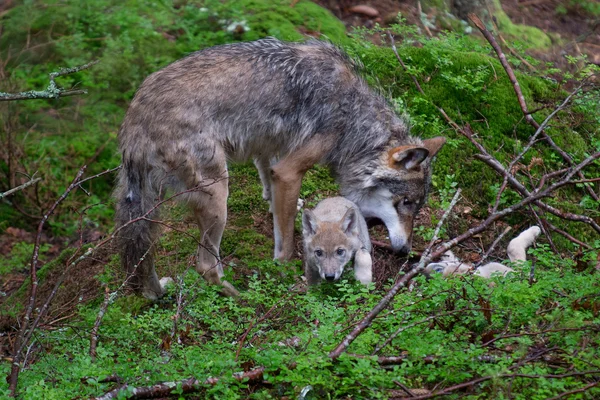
340	252
319	253
406	201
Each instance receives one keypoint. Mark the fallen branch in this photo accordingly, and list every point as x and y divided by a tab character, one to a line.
477	381
53	91
186	386
402	282
21	187
94	334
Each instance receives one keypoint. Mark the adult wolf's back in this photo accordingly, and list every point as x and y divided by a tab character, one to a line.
288	106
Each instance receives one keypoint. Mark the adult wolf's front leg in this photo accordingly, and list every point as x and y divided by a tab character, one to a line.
286	185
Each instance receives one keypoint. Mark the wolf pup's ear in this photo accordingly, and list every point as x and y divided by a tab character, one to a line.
309	223
434	144
349	222
408	157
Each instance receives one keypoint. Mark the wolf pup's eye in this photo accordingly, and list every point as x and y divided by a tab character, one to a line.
319	253
340	252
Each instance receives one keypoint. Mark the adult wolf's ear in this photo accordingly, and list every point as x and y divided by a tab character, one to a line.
349	223
434	145
309	223
408	157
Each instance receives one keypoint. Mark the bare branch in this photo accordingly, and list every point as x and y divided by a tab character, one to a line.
21	187
491	248
513	78
53	91
189	385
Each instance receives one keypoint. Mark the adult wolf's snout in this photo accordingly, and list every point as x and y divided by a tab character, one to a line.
330	277
401	246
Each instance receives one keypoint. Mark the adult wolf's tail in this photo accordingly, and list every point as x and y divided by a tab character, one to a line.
136	197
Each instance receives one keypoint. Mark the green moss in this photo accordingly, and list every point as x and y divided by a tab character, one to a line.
529	36
473	87
280	19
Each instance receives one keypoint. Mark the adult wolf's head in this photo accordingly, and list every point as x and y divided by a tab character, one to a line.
399	186
330	245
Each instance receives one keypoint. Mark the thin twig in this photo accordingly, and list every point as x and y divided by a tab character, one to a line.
253	323
491	248
21	187
52	91
94	334
513	78
477	381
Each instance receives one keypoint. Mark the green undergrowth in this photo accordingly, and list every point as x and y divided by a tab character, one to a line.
139	344
138	341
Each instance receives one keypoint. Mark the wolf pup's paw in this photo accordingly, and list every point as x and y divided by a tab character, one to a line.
363	266
166	281
300	204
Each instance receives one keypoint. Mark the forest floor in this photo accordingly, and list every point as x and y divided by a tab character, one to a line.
578	33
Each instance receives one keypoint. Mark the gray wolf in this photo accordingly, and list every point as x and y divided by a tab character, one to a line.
287	106
334	233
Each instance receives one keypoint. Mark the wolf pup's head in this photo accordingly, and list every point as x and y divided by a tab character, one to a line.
400	185
329	245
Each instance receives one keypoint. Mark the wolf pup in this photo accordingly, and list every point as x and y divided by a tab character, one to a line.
287	106
335	232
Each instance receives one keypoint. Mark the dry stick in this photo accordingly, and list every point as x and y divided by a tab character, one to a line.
565	234
491	248
19	342
402	282
94	334
530	198
474	382
24	334
423	19
540	128
165	389
495	164
542	225
423	321
528	117
580	390
21	187
108	300
261	319
52	91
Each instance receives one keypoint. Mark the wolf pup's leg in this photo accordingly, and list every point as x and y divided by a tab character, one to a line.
363	265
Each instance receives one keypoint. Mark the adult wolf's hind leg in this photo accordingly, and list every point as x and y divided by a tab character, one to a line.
209	205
